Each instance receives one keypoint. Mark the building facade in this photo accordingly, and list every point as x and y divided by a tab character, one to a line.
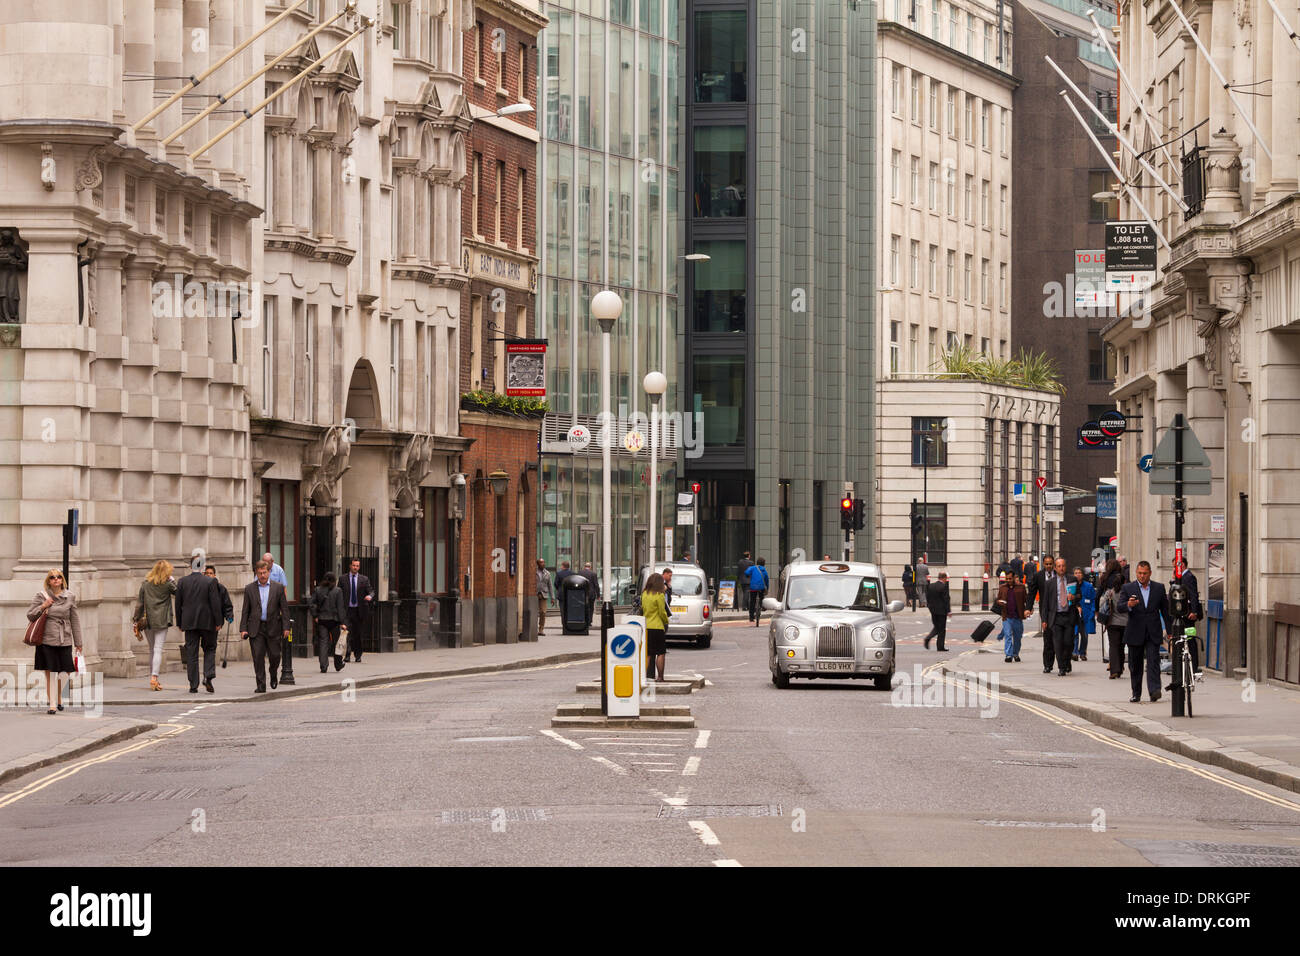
498	540
1220	339
608	205
1055	221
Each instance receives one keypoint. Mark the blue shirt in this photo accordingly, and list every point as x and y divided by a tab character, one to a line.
265	591
758	579
277	575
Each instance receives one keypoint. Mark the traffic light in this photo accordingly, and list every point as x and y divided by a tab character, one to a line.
859	514
846	514
918	522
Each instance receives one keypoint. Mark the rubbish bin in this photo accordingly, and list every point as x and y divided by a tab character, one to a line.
573	604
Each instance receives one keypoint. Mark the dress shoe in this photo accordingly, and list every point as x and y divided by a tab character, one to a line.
207	685
927	643
1155	698
259	690
941	649
1135	700
1074	657
1016	658
194	690
324	670
1083	657
273	683
1061	673
1007	661
1047	670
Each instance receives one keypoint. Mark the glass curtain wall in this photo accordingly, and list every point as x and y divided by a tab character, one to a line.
608	206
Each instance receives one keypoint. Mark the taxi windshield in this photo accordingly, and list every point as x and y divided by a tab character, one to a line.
834	591
685	585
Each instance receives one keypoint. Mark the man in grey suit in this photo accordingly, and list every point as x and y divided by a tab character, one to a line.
1060	609
263	622
199	614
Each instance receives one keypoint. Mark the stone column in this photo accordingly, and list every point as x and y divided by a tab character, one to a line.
137	55
1277	508
1285	105
167	61
322	214
282	146
140	360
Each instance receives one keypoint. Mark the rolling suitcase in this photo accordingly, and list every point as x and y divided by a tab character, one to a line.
982	630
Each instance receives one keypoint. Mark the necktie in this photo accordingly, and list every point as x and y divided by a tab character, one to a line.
1061	599
354	590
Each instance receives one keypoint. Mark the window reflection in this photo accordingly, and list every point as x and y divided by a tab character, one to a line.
720	57
719	386
719	171
720	286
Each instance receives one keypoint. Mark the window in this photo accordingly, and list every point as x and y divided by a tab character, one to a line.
916	97
950	341
984	346
986	203
968	198
933	540
928	444
1101	359
521	191
501	186
914	264
720	67
268	356
480	49
895	330
719	392
934	104
895	160
936	20
988	42
523	72
1002	348
970	34
950	180
500	47
952	112
1006	131
402	28
968	276
913	338
1002	208
268	186
986	126
952	25
1003	301
1105	209
309	364
896	90
934	186
476	343
475	193
281	499
950	274
894	251
969	115
719	171
915	180
932	348
984	282
720	286
933	274
394	365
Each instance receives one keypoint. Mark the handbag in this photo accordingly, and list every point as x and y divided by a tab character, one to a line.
341	645
1104	607
35	635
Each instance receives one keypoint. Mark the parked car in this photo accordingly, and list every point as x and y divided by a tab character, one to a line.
692	605
832	621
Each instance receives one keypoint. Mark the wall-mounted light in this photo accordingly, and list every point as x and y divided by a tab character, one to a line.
500	482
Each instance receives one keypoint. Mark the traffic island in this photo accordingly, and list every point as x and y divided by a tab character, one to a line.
673	684
653	717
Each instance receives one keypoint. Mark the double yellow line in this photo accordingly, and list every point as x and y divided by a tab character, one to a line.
1123	744
166	732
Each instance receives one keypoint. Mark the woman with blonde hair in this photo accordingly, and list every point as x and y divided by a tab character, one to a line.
62	632
655	609
153	615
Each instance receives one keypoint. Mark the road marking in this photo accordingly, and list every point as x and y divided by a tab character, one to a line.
196	709
487	740
611	765
1125	746
638	753
677	801
726	863
692	767
702	739
400	682
168	731
706	835
651	763
634	743
564	740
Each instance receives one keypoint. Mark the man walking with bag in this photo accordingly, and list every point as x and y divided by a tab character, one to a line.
939	601
758	583
359	597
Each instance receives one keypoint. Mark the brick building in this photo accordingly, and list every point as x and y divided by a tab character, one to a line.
498	534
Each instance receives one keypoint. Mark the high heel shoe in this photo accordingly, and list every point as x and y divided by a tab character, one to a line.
153	683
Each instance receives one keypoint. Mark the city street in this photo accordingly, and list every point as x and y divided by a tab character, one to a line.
467	770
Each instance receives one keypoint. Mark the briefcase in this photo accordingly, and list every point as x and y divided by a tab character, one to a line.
982	630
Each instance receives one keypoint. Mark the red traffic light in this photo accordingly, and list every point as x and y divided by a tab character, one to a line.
846	504
695	487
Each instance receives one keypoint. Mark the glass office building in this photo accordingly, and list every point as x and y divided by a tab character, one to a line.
608	205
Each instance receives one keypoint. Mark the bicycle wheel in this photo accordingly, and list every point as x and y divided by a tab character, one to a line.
1189	680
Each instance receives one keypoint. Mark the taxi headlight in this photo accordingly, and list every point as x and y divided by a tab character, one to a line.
879	635
792	633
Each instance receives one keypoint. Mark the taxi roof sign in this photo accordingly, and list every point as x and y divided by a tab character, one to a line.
833	568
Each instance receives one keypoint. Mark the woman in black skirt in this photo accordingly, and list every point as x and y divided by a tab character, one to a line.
62	633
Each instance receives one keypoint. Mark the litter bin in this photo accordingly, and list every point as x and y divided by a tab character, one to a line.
573	604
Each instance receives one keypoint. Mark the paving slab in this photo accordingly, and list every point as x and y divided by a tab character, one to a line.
31	739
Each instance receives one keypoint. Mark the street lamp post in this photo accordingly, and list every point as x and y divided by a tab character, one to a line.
925	497
606	307
655	385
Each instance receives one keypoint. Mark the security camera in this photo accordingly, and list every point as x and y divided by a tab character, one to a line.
458	480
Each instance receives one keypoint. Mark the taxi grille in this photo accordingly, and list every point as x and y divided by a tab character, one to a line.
835	641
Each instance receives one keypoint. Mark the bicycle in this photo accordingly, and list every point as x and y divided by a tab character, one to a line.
1189	676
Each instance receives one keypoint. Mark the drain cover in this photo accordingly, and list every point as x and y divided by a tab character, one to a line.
698	813
486	815
135	796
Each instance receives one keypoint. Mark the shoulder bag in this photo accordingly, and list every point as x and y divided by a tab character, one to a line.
35	635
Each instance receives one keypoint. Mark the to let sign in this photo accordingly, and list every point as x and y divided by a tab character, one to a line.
1130	256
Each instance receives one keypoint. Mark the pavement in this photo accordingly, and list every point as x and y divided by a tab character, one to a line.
1247	727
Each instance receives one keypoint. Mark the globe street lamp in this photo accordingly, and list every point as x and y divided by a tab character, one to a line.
655	385
606	307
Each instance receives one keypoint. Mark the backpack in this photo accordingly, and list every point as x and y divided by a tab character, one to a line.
1105	606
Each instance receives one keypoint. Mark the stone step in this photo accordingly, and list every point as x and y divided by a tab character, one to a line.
647	710
630	723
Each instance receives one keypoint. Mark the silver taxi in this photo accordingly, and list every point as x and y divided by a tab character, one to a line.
832	622
691	617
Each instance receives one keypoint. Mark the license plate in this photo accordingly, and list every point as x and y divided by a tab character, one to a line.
679	608
835	665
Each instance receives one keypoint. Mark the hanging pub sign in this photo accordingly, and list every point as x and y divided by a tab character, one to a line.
526	368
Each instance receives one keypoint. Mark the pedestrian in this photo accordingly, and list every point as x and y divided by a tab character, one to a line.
742	580
277	572
1112	611
758	584
62	634
1087	622
227	608
328	612
1038	585
922	581
545	593
1013	604
909	585
1124	568
560	575
1148	616
264	622
153	615
1018	567
667	574
1059	610
654	605
593	589
358	599
199	614
1192	605
939	601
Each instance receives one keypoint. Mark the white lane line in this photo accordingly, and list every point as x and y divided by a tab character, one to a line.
692	767
726	863
707	836
652	763
658	770
638	753
611	765
564	740
702	740
677	801
638	743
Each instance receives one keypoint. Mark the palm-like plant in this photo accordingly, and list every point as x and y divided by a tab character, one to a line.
1034	370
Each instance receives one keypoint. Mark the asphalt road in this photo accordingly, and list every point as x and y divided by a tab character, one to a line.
468	771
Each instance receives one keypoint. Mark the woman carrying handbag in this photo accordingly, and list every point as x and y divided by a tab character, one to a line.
328	611
57	609
153	615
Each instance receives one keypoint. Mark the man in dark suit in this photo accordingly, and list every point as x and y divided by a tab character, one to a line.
593	590
1038	582
1059	609
939	601
198	614
263	622
358	598
1148	616
1017	566
1187	582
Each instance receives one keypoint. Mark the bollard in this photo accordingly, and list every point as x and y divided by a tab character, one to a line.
984	593
965	592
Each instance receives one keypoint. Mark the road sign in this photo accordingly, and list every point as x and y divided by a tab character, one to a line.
1195	464
1130	256
1087	509
1019	492
1144	463
685	516
1041	482
1106	502
685	499
1112	423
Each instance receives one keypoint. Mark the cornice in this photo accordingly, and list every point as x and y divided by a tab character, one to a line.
886	28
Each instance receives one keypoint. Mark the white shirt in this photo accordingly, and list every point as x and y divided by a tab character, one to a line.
265	591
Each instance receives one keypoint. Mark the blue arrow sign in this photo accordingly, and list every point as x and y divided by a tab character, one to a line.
623	647
1145	461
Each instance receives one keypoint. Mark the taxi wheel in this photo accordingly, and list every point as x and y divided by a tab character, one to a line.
782	681
883	681
704	641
